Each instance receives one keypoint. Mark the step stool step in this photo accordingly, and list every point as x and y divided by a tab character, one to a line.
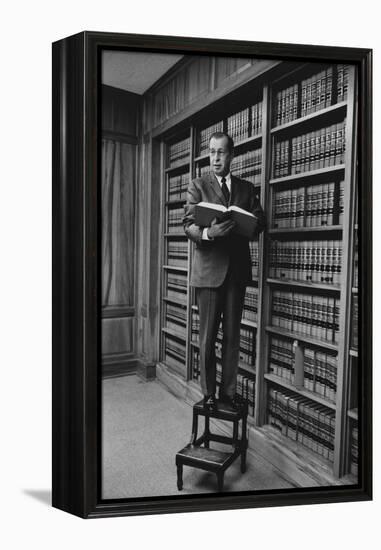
223	411
201	455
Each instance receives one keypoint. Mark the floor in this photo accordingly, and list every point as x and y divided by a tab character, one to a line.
143	427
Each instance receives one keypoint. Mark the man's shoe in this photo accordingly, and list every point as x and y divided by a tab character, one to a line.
232	402
210	403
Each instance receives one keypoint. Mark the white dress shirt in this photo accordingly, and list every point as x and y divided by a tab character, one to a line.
228	182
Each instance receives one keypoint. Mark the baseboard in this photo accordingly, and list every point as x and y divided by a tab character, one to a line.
118	365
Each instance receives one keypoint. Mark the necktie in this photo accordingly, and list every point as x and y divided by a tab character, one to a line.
225	189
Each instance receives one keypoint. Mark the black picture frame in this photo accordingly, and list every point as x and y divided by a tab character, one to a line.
76	332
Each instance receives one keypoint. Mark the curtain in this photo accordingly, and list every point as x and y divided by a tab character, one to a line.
118	223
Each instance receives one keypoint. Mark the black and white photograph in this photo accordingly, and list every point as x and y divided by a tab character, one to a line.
229	272
189	244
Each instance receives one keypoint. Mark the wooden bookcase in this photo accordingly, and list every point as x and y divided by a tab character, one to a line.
294	130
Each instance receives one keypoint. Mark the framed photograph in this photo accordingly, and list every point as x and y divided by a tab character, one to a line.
212	287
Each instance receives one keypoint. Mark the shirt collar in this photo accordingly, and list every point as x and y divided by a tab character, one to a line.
227	178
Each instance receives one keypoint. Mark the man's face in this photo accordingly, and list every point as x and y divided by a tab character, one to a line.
220	156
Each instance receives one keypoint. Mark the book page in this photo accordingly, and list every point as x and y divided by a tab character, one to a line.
219	207
241	210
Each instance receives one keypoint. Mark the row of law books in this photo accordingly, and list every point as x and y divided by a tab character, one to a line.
307	315
177	287
205	134
355	322
312	94
238	125
174	352
177	254
254	256
176	315
246	123
202	170
245	384
313	206
286	105
319	368
307	423
175	220
306	261
248	166
354	449
342	82
177	187
250	307
355	281
317	92
312	151
179	153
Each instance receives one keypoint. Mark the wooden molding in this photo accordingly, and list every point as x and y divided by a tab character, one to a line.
112	312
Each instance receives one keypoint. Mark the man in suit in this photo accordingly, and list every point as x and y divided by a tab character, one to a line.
221	267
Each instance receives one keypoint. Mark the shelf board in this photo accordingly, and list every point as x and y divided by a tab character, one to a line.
175	355
250	369
202	157
177	235
248	323
176	268
247	141
302	337
176	320
178	167
304	120
174	301
171	332
175	202
302	284
310	174
315	229
353	352
300	391
353	413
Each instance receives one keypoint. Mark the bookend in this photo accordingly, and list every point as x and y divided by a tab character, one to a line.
198	453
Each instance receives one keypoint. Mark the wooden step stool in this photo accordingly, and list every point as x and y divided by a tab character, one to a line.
212	460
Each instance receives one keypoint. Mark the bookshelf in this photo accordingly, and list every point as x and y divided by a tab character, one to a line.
294	140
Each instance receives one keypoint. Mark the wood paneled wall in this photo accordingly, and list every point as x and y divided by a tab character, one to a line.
118	250
196	82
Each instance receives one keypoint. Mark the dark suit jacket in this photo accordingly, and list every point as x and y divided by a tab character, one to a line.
212	258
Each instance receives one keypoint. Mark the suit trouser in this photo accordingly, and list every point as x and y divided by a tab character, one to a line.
226	300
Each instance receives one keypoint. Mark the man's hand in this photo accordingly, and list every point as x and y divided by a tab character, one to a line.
220	229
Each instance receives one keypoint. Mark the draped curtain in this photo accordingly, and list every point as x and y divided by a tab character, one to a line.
118	234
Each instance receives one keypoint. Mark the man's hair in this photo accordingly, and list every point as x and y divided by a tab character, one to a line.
219	135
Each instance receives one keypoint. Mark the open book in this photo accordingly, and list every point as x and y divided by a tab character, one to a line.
245	222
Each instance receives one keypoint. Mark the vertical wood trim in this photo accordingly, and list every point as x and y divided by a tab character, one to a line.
188	350
213	81
341	423
160	231
263	288
136	245
162	248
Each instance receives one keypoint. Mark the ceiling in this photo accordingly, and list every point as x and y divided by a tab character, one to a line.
135	71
